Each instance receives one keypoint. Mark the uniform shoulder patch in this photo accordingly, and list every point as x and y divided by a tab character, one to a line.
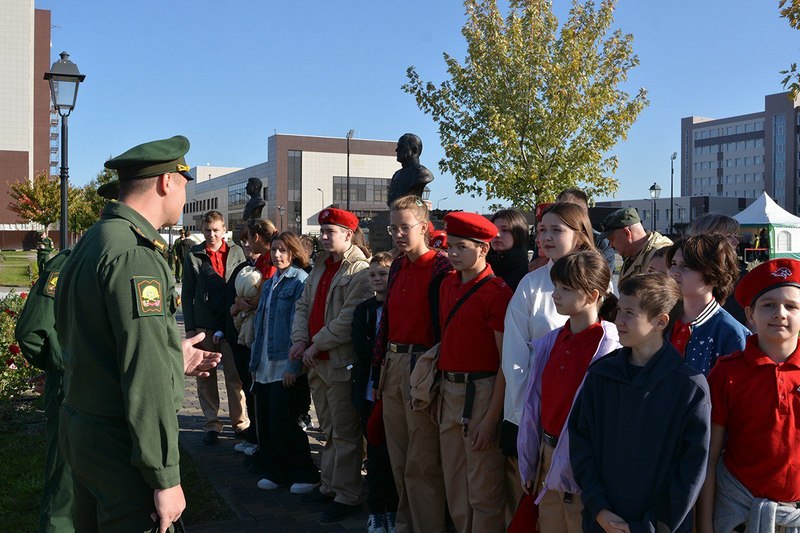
50	284
149	295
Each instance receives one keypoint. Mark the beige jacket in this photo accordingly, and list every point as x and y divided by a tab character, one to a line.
638	263
349	287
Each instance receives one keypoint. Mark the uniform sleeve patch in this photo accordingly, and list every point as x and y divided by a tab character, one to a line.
50	285
149	296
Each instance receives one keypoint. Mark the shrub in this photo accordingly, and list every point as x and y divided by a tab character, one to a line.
14	369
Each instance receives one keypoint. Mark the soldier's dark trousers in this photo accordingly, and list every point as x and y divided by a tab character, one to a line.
111	495
55	508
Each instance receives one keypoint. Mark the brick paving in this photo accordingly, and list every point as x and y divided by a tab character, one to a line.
227	470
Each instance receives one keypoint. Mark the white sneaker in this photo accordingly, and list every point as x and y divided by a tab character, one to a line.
243	446
302	488
266	484
376	523
251	450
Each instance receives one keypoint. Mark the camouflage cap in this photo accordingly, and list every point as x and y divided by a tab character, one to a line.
621	218
152	159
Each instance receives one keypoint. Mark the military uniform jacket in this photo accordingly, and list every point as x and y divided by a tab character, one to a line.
35	330
115	317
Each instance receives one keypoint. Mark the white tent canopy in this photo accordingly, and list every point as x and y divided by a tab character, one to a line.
784	227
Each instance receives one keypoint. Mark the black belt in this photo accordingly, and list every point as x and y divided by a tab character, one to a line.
407	348
550	440
466	377
469	398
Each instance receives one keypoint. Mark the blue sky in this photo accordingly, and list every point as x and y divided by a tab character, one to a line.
229	74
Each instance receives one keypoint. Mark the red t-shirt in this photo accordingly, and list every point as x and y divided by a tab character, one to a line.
681	333
758	403
218	258
409	305
564	372
265	266
468	344
316	320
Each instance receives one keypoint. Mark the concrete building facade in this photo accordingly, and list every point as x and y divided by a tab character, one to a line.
25	110
302	175
743	155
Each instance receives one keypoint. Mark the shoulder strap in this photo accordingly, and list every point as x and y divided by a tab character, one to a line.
469	293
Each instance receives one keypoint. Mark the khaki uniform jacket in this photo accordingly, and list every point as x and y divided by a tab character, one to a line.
115	317
638	264
349	287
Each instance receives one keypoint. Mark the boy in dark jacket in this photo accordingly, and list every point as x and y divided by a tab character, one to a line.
382	495
639	431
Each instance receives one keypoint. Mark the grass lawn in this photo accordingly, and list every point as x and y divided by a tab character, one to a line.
16	268
22	449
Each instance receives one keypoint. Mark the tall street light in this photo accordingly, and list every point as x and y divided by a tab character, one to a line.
349	136
64	79
323	197
655	192
671	191
440	200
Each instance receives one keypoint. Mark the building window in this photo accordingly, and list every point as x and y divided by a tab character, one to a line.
237	195
784	241
294	178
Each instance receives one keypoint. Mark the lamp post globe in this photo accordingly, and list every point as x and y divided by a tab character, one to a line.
64	78
655	192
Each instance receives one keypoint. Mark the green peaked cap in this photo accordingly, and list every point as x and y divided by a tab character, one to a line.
152	159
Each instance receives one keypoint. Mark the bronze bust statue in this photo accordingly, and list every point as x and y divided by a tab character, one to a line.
256	203
413	177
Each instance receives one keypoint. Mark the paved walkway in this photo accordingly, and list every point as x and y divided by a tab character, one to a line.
256	510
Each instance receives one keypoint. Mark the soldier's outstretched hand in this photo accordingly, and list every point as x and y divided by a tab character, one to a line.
196	361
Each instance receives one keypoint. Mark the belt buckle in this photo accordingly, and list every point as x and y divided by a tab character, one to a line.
392	347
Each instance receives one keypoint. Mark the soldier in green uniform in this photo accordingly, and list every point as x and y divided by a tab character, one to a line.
178	254
43	250
35	332
123	355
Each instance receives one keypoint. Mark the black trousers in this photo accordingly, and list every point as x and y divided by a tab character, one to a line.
241	356
283	446
382	495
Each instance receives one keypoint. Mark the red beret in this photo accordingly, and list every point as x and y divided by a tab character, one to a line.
339	217
376	432
540	208
438	239
470	226
765	277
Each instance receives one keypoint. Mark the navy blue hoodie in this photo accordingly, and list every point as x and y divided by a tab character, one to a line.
639	441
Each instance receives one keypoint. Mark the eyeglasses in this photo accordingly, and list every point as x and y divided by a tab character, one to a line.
401	230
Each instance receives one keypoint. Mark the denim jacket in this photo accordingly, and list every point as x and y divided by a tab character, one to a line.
559	477
281	312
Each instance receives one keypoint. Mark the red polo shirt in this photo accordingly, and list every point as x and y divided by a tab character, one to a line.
218	258
409	305
758	403
468	344
264	265
316	320
564	372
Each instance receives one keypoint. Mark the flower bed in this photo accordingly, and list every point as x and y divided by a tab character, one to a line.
15	371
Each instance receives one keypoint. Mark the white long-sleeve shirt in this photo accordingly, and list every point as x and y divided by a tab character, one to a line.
531	314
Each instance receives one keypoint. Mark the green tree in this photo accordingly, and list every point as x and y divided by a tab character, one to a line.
85	209
37	200
534	108
790	10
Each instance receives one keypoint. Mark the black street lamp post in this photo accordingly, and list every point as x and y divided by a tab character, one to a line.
671	191
655	192
64	79
349	136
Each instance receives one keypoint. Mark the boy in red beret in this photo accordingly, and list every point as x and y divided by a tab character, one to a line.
321	333
472	310
755	412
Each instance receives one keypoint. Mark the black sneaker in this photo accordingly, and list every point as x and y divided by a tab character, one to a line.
337	511
315	497
210	437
